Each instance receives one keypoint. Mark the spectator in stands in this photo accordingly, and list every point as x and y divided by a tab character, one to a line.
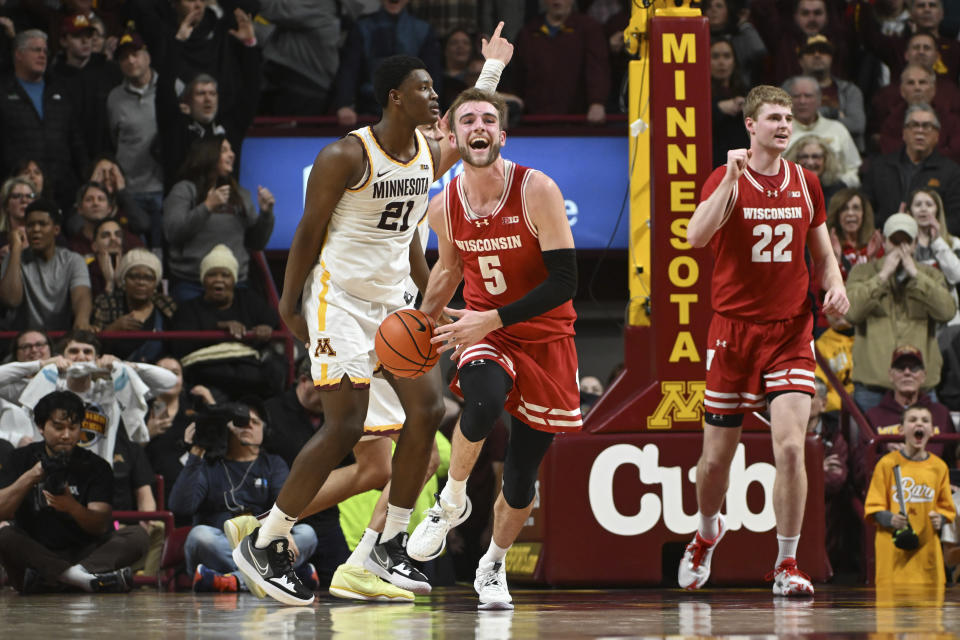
100	42
890	178
917	86
37	121
813	153
29	168
446	16
835	344
935	245
208	207
126	208
170	413
47	285
300	55
730	19
784	33
459	51
136	304
133	480
216	486
841	99
94	204
853	235
805	91
219	68
392	30
590	391
88	78
132	118
116	392
926	488
30	351
59	498
105	253
562	65
907	388
893	16
727	95
15	195
294	416
895	301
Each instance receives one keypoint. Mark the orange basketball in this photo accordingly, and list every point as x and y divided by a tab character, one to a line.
403	343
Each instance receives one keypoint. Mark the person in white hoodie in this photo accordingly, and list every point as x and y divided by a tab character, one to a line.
110	388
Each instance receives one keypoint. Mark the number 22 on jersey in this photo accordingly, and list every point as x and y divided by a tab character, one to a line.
782	233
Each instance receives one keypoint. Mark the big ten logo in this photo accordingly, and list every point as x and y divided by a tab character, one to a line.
668	506
681	401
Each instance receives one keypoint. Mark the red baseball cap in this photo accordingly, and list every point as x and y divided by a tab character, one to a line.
906	353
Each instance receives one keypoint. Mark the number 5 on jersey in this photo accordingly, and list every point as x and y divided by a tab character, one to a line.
492	275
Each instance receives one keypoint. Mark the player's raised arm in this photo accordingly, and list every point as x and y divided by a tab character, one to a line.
337	166
708	217
448	271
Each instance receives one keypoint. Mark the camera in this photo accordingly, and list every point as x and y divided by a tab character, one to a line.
212	434
55	469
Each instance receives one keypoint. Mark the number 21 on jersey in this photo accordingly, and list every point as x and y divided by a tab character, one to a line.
492	275
782	234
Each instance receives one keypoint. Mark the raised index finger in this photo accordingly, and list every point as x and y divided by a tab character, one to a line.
496	32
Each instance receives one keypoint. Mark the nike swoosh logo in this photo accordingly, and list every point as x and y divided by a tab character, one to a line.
380	174
422	327
263	570
382	560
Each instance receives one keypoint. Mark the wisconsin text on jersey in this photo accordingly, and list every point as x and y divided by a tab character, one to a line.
401	187
490	244
772	213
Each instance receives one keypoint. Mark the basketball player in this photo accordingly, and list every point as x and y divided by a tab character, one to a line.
350	255
503	230
759	213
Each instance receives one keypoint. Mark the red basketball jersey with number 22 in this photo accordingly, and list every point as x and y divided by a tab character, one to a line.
759	272
501	257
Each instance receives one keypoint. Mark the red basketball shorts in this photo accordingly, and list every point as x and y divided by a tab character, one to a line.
546	386
746	361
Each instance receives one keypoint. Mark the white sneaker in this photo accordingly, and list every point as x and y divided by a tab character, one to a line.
694	570
491	585
429	539
788	580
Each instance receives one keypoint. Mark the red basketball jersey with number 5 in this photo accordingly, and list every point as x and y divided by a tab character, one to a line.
501	256
759	272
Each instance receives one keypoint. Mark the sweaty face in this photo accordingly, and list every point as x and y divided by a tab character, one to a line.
811	16
478	133
721	61
772	127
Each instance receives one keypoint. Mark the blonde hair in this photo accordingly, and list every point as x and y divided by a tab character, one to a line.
941	218
765	94
831	167
837	204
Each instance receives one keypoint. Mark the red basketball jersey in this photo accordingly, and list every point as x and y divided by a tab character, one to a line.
501	256
759	272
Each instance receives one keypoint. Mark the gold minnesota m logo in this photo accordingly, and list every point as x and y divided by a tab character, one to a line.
682	401
323	347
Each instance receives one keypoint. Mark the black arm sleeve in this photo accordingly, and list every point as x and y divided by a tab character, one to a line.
884	519
560	286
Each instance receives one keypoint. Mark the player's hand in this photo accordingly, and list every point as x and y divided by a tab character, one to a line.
899	521
736	163
906	259
936	520
469	328
497	47
835	302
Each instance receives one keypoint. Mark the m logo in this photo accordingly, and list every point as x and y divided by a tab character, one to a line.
773	193
682	401
324	348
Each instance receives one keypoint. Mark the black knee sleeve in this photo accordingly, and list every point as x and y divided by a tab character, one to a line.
485	386
524	453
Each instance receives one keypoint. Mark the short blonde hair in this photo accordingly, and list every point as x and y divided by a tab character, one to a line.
765	94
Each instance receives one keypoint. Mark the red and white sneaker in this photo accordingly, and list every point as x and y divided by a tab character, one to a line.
788	580
694	568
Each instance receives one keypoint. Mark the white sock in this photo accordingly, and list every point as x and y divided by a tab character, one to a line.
77	576
397	520
494	554
275	526
363	548
454	492
788	548
709	526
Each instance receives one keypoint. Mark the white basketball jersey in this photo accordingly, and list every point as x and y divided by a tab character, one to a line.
366	249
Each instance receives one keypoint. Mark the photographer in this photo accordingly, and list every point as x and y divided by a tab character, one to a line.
59	498
226	475
112	390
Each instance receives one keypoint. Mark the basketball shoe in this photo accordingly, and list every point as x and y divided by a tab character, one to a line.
788	580
271	569
236	529
491	585
356	583
429	539
694	567
390	561
206	580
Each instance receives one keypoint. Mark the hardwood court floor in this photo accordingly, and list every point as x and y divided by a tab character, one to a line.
451	614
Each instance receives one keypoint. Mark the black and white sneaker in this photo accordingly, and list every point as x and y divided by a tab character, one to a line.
390	561
272	570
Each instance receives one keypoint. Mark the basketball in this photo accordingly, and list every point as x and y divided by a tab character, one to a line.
403	343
